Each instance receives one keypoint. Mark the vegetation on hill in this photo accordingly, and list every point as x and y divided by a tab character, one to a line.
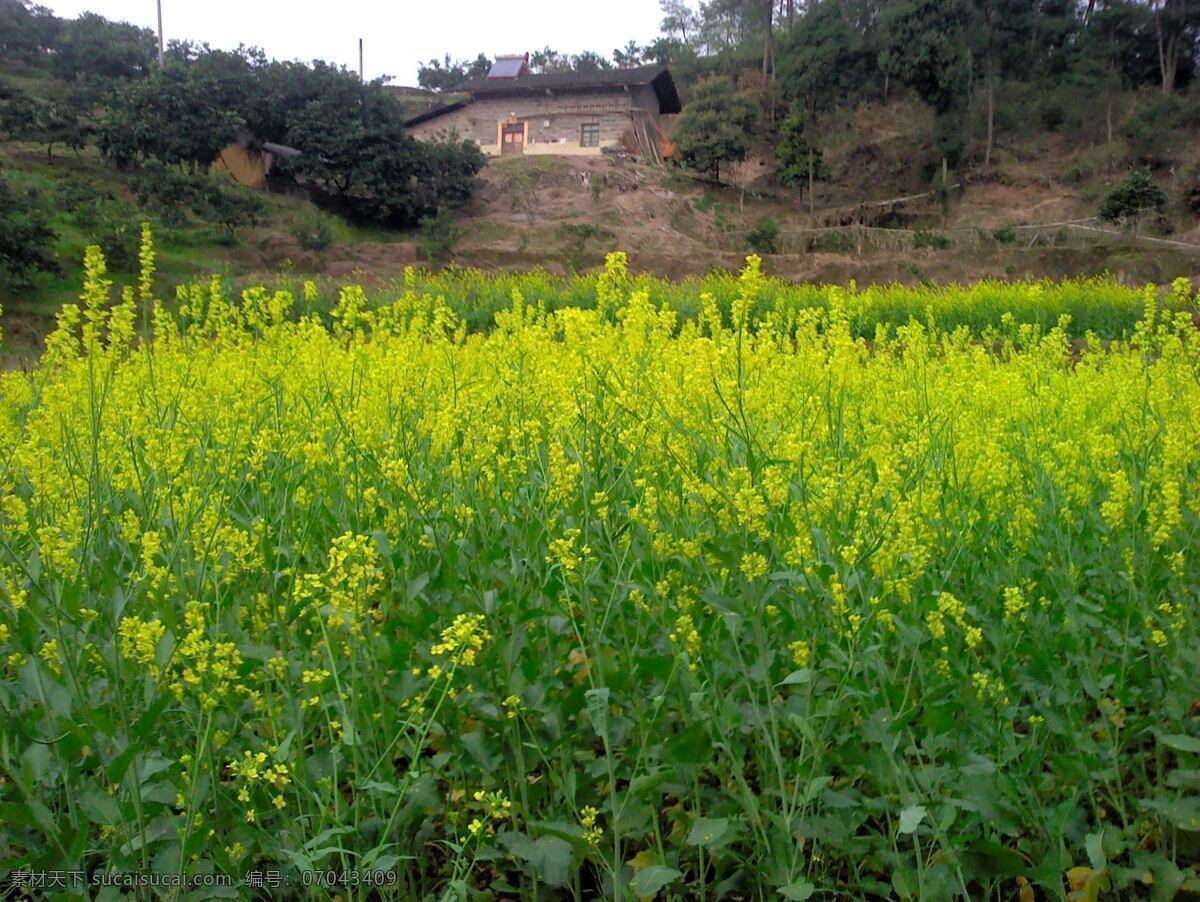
996	76
75	84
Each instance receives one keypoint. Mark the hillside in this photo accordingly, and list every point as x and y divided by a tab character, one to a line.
563	214
1029	213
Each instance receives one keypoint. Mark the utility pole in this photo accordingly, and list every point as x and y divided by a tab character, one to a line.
361	79
160	35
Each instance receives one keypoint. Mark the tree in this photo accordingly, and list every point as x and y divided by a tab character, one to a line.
924	45
59	120
173	116
716	126
799	157
18	114
987	10
353	145
1172	19
549	60
26	31
1129	201
589	62
679	18
231	206
631	55
93	47
821	61
446	74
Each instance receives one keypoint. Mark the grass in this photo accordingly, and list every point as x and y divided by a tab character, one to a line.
599	602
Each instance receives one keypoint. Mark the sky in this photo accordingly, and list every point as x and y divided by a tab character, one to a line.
399	34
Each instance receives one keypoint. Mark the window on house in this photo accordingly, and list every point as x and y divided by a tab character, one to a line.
589	134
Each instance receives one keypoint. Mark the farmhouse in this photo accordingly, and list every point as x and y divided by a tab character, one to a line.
577	113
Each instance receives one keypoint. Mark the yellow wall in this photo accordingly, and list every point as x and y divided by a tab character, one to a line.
245	166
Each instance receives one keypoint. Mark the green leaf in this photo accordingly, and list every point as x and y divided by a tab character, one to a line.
905	883
1094	843
100	808
1181	743
707	830
597	709
650	880
985	858
797	677
910	819
284	750
549	855
797	890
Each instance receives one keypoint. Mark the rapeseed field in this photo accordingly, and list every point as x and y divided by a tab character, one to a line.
605	600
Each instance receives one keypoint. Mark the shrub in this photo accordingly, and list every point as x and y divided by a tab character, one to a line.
926	238
169	191
834	243
797	154
75	194
312	233
439	236
26	239
1190	194
1156	129
118	234
231	206
1053	114
172	192
575	239
1006	234
1129	201
764	237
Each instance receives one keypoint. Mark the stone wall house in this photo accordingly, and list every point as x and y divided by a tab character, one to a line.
564	113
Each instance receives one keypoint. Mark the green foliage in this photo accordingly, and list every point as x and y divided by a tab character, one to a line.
1005	234
447	74
174	193
799	159
62	120
716	127
823	60
231	206
1190	189
833	242
925	238
1128	202
26	239
439	235
764	237
924	47
170	191
18	114
1158	129
91	46
173	117
312	232
26	32
353	145
576	239
104	220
